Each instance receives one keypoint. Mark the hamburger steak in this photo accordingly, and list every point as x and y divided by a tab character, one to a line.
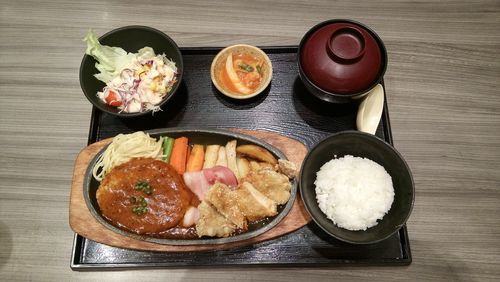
144	196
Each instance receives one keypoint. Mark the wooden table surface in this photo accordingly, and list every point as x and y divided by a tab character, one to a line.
442	83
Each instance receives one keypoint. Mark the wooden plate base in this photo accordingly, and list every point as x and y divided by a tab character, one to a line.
83	223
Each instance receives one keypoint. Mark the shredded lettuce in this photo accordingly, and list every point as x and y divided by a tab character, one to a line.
110	60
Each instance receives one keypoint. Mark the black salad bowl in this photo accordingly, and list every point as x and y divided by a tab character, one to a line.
131	39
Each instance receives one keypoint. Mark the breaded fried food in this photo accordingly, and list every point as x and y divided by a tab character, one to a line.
274	185
256	166
212	223
253	204
288	168
225	202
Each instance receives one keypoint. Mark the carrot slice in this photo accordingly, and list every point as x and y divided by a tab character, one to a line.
179	154
196	158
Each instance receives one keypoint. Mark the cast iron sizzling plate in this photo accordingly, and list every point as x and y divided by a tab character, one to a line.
195	136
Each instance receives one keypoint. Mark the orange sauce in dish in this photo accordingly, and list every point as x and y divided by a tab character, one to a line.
248	69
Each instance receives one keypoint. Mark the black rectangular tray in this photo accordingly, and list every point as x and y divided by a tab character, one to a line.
285	108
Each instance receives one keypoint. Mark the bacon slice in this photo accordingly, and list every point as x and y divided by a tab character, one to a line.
200	181
220	174
196	181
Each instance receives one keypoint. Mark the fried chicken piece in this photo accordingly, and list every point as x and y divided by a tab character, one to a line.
212	223
288	168
256	166
274	185
254	204
225	202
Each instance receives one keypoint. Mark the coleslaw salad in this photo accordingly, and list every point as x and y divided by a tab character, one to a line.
135	82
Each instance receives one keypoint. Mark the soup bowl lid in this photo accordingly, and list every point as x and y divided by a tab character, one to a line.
342	57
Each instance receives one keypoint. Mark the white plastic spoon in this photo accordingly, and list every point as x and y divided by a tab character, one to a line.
370	110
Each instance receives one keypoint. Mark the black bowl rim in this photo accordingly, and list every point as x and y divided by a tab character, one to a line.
383	50
374	138
180	69
208	241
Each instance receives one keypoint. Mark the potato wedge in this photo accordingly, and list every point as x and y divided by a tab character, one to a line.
257	152
221	157
211	156
243	166
231	157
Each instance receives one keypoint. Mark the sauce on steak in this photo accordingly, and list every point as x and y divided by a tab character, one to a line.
144	196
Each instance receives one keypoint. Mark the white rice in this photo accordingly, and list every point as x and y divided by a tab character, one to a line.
354	192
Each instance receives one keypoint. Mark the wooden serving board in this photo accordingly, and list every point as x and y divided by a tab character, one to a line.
83	223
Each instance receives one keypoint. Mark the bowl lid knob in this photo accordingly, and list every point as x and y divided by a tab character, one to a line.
346	45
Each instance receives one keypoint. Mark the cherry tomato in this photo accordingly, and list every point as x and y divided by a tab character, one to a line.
113	99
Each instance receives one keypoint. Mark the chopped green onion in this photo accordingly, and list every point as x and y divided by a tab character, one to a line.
142	208
246	67
143	186
139	210
259	69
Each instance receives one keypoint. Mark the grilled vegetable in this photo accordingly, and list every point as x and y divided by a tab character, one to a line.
257	152
179	154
